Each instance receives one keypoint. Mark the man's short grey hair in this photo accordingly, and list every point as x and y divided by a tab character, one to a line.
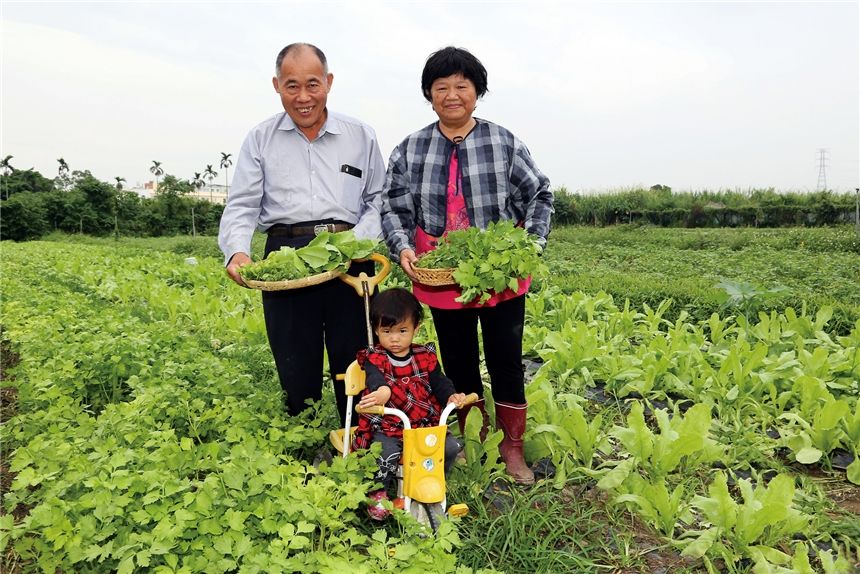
296	46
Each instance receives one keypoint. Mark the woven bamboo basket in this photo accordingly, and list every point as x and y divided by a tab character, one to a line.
434	277
294	283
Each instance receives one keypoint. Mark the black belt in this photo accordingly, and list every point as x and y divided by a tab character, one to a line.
307	228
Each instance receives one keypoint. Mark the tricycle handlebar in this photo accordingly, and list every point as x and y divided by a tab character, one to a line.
370	282
446	412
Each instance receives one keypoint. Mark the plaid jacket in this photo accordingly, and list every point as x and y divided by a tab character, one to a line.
500	181
418	389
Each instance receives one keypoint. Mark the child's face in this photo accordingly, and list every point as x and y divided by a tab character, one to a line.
397	338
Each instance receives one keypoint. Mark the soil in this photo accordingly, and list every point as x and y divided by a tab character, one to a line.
656	556
8	357
845	496
8	395
8	408
659	558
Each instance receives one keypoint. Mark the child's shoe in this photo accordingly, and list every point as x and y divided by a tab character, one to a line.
375	508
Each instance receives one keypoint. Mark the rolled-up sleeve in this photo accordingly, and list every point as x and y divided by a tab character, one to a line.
243	201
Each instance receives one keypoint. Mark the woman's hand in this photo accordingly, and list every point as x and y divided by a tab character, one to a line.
457	399
407	259
378	397
238	260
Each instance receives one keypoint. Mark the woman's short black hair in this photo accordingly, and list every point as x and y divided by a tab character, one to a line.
392	306
449	61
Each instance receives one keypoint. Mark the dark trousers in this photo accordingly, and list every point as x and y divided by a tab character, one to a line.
392	449
299	322
502	331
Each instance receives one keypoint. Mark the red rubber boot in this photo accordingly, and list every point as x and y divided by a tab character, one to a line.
512	420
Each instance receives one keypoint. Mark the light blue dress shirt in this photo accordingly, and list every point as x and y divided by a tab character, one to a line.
281	177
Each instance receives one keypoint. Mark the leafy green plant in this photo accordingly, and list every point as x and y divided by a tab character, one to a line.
809	441
558	429
773	561
487	260
326	252
839	565
736	530
656	504
482	457
851	426
747	297
655	455
682	439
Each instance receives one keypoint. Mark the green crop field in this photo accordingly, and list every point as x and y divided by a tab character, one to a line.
693	408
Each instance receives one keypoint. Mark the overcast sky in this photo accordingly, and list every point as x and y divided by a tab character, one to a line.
605	95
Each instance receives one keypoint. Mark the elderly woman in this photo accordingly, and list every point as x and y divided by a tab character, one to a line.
458	172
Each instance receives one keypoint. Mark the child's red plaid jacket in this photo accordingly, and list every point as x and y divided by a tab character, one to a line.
418	389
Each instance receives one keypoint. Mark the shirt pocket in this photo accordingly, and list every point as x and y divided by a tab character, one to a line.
350	189
279	182
284	197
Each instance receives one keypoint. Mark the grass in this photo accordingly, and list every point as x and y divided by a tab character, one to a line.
543	530
532	531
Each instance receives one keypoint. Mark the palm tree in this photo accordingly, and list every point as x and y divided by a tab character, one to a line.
63	174
7	168
226	162
119	181
6	165
197	182
156	170
210	174
64	167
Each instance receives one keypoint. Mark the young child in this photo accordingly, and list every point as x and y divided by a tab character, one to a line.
403	376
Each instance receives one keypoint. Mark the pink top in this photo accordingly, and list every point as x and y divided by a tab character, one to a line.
457	217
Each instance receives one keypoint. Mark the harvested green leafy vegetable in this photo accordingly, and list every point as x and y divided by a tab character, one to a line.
326	252
486	260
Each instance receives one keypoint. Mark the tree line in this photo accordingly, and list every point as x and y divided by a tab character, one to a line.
75	201
32	205
660	206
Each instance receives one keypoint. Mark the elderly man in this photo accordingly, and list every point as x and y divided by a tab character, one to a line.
299	172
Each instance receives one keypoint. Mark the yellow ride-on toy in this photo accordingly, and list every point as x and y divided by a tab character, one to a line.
421	475
421	488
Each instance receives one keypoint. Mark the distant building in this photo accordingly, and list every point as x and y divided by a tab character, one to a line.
212	192
146	190
215	193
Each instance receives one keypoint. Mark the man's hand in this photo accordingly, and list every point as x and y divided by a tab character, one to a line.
378	397
238	260
407	259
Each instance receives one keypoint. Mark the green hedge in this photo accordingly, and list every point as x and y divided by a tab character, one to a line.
757	208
